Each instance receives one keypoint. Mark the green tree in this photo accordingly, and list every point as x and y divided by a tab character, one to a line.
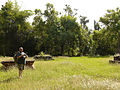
111	23
68	10
39	27
83	22
52	28
12	25
70	27
104	42
96	25
46	27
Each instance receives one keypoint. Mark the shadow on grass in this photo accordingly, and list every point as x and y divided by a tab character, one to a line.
3	69
44	60
9	80
99	56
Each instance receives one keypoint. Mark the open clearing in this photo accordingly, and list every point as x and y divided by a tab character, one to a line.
66	73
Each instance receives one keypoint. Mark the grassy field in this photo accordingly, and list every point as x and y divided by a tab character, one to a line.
64	73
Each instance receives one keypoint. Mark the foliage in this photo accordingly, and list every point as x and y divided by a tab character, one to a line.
112	24
57	34
104	42
13	27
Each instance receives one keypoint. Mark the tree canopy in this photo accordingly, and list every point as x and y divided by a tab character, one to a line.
57	34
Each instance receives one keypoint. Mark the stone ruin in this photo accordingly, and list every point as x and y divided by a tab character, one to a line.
43	57
116	59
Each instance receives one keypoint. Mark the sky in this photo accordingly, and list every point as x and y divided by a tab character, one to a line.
92	9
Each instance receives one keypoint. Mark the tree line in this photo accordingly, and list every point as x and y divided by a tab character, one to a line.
57	34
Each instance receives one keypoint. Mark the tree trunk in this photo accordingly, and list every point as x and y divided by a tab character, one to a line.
62	49
4	51
79	49
119	42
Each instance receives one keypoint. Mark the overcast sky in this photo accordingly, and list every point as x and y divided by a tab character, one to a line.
93	9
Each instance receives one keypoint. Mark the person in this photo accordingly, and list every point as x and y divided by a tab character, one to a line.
20	60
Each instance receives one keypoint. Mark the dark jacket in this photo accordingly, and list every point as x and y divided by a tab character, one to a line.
21	60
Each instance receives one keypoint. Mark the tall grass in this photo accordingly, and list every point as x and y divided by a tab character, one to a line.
66	73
